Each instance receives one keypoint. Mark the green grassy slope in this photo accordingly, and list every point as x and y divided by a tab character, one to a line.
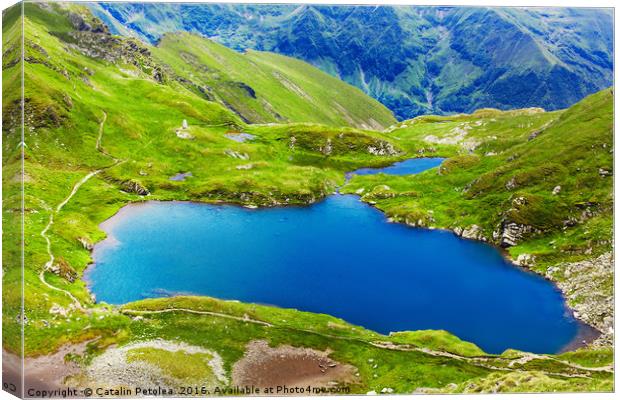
104	126
11	178
266	87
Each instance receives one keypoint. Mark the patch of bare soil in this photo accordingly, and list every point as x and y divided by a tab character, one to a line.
263	366
46	372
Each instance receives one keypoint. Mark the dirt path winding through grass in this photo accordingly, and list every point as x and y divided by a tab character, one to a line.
480	361
189	310
49	264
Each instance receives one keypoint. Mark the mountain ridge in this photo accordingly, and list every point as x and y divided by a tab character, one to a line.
415	60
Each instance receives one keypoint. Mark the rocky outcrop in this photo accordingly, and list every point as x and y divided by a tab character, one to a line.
511	184
85	243
511	233
526	260
379	192
244	166
92	38
427	150
473	232
236	154
272	198
588	287
131	186
382	148
181	134
327	149
64	270
93	25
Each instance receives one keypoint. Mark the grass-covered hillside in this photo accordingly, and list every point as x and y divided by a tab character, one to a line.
109	121
266	87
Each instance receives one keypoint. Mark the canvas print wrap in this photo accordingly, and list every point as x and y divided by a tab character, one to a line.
252	199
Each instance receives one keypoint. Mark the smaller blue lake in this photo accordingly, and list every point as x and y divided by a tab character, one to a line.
340	257
407	167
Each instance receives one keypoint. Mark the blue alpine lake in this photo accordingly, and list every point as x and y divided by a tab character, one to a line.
407	167
339	257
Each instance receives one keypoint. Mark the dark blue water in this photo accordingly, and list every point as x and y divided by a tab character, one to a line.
339	257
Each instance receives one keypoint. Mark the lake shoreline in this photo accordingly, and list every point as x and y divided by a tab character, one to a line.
577	342
586	334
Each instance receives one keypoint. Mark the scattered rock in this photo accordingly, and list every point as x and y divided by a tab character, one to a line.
181	176
240	137
379	192
64	270
57	309
382	148
427	150
183	135
68	102
603	172
511	184
511	233
236	154
473	232
456	136
112	368
556	190
131	186
78	22
526	260
85	243
589	281
184	124
534	134
327	150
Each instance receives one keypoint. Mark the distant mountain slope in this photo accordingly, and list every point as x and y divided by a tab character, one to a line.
415	60
257	87
266	87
